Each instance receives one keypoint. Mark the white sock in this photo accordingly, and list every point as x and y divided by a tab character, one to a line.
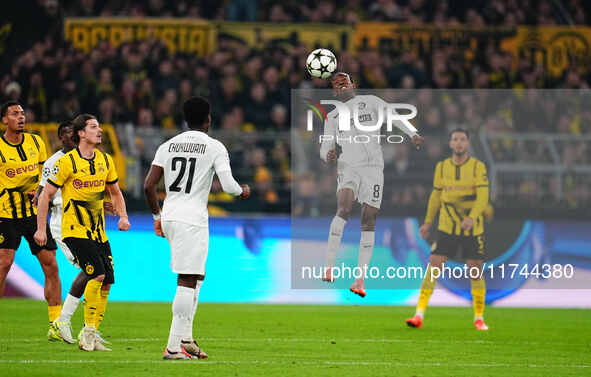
366	248
334	239
181	317
420	314
478	317
68	308
189	335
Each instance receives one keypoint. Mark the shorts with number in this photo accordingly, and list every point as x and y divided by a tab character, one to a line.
12	230
189	245
367	183
459	247
55	225
94	258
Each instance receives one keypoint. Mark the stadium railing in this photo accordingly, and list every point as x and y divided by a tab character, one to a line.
539	171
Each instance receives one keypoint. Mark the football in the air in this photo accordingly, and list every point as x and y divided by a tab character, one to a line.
321	63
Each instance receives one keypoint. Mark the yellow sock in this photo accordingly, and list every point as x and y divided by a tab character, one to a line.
426	290
102	306
54	312
478	295
92	295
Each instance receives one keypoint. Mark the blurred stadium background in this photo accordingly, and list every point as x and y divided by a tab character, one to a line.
132	63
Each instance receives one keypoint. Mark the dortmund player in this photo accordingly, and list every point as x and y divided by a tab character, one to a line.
84	174
460	195
21	158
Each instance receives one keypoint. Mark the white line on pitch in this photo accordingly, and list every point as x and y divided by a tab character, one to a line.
313	340
311	363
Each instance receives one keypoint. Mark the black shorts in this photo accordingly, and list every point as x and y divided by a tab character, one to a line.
12	230
459	247
94	258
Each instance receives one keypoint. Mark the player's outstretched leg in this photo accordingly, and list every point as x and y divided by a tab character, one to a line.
6	260
188	344
99	344
427	287
366	243
182	306
63	323
345	198
92	293
337	225
52	289
478	297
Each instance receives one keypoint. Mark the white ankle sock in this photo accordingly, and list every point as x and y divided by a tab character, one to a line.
335	234
181	317
68	308
189	335
366	248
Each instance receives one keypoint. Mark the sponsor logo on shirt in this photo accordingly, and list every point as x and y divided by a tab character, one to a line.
78	183
11	173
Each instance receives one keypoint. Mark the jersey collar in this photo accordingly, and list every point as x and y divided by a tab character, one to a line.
14	145
84	158
462	164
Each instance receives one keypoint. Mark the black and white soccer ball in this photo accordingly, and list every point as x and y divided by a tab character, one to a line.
321	63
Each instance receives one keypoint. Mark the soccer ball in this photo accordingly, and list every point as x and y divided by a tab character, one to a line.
321	63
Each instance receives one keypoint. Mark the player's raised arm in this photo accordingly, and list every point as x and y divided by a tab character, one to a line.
224	173
118	205
55	182
328	139
114	191
405	127
434	201
481	191
47	193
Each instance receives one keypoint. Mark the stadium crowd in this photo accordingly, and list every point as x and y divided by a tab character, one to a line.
473	12
141	83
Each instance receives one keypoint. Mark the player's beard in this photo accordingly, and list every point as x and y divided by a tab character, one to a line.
460	154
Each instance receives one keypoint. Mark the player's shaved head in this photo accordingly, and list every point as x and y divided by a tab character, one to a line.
62	127
196	111
459	130
79	124
343	75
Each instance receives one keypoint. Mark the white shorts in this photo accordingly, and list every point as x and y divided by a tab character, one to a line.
188	247
55	226
367	183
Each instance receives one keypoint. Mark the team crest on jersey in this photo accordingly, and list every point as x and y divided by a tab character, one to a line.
89	269
1	238
361	105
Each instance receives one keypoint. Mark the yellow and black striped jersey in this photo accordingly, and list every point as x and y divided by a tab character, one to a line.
20	169
459	191
83	182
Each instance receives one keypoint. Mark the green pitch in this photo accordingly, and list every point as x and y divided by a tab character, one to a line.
309	341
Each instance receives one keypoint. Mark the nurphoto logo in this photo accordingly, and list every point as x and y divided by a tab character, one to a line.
387	114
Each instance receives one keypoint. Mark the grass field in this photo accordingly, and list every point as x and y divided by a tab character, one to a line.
270	340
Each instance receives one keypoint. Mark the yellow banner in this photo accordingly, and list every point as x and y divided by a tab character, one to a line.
260	35
184	35
393	37
556	48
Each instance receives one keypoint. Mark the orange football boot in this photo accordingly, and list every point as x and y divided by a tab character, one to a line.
416	321
480	325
